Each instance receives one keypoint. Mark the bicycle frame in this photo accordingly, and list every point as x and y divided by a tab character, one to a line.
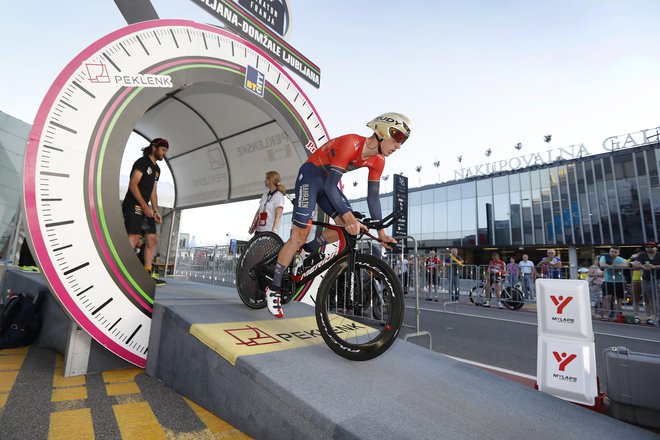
346	246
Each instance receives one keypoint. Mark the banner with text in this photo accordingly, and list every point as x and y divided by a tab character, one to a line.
253	30
400	203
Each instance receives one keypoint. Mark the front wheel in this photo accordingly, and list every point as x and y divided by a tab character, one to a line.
359	314
255	268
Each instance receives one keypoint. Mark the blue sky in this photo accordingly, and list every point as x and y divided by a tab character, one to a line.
472	75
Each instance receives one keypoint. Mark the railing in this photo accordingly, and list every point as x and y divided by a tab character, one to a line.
451	283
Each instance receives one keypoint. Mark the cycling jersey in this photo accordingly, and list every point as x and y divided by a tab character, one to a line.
318	179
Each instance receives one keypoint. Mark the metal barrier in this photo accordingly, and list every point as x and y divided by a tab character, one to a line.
450	282
209	264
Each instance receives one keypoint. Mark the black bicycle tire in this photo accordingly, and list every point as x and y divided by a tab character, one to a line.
249	290
377	346
518	298
473	293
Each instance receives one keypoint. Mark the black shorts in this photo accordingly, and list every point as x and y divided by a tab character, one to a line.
136	222
618	290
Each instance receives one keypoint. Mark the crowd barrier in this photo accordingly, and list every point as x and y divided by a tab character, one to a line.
450	283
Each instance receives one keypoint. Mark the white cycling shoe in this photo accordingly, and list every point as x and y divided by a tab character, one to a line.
274	300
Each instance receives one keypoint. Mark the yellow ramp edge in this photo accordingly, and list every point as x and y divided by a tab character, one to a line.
234	339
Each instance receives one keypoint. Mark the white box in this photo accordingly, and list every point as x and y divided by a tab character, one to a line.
564	308
566	368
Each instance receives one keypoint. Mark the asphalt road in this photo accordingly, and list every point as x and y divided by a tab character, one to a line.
507	339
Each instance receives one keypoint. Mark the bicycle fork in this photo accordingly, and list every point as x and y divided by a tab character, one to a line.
351	271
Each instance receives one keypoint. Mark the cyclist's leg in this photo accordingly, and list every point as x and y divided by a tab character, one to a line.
308	182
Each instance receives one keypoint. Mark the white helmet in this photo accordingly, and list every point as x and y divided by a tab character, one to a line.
387	124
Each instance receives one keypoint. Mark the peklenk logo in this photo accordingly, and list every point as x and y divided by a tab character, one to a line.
255	81
97	73
251	336
563	359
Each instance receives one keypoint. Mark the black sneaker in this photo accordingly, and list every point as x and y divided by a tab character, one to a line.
157	279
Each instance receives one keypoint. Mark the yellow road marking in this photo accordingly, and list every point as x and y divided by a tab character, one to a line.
60	381
19	350
11	361
3	399
71	425
127	375
59	360
118	389
7	379
215	424
73	393
136	421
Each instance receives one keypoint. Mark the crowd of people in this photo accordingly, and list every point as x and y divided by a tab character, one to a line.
614	282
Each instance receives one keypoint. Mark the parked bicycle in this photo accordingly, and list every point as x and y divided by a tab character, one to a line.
511	297
359	305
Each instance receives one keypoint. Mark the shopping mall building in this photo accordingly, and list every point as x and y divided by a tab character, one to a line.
566	199
569	199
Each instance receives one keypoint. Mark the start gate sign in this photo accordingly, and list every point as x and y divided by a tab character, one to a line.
566	358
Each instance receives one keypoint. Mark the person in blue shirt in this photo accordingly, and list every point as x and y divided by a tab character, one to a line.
614	282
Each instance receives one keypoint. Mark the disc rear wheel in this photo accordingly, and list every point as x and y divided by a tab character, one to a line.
255	268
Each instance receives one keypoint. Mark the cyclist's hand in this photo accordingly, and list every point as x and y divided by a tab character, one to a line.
385	239
351	224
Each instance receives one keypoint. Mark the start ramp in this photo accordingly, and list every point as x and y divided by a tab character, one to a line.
276	379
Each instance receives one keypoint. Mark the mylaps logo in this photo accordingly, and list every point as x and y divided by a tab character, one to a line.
560	302
563	359
255	81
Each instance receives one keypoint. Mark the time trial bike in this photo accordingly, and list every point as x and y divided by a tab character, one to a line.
359	304
511	296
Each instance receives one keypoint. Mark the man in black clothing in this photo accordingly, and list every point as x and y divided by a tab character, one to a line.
649	262
140	217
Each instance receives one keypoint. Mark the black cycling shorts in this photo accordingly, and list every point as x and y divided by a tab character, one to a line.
136	222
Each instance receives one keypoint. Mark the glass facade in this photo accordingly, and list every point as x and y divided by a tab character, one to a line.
611	198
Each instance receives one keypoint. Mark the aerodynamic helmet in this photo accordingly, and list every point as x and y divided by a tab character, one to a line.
391	125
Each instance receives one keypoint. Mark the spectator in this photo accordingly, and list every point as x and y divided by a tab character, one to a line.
528	274
455	262
634	279
268	216
432	263
496	273
402	271
595	280
512	270
614	283
550	266
649	262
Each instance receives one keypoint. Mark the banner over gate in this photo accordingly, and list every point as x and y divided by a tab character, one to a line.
231	13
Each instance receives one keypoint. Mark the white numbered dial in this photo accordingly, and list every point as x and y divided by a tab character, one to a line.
73	215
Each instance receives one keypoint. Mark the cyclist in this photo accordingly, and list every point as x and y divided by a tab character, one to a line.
317	183
496	272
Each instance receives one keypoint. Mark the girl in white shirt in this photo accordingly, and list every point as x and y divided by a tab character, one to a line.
271	205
